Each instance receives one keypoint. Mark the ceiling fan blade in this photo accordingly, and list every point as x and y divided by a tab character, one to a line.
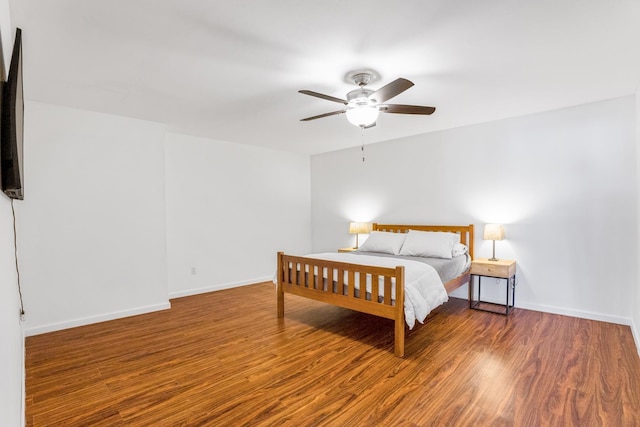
406	109
320	95
394	88
333	113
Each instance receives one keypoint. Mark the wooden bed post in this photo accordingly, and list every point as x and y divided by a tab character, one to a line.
279	286
399	320
470	241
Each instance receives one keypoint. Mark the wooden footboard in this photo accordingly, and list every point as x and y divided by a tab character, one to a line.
345	285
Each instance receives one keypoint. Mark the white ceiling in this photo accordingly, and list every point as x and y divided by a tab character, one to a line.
231	69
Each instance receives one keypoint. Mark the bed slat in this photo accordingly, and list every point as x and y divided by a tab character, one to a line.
351	284
375	287
387	290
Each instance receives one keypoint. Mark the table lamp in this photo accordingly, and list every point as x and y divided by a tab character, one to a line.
493	232
358	228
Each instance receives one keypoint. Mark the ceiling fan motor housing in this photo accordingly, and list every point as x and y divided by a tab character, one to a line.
360	97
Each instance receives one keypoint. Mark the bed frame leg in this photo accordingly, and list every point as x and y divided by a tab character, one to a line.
399	338
280	301
279	288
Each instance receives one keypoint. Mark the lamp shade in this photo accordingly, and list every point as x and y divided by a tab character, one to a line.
493	232
362	115
359	227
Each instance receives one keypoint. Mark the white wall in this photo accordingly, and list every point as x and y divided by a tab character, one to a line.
102	236
230	208
92	224
11	335
7	32
635	327
563	183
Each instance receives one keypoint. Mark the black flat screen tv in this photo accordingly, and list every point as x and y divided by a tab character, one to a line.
11	126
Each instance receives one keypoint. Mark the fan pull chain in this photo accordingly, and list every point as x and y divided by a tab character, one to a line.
362	147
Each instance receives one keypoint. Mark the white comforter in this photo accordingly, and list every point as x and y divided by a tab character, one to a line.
423	289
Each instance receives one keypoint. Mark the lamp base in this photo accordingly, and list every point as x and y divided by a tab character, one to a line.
493	257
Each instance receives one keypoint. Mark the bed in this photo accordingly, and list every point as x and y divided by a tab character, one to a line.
395	274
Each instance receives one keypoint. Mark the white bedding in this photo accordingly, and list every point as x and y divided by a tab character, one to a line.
423	288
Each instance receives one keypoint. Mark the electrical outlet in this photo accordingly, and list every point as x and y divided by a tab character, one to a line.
193	271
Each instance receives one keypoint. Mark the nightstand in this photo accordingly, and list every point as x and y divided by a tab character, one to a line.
501	269
347	249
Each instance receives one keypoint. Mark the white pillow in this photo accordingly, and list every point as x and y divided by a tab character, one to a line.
459	249
383	242
434	244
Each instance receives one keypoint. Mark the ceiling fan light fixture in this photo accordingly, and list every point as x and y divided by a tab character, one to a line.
362	116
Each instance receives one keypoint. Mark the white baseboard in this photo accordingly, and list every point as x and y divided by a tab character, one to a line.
463	293
30	331
213	288
576	313
636	335
43	329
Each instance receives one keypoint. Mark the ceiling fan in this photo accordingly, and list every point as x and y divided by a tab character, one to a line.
363	105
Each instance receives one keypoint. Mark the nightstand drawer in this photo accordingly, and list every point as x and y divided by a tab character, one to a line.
483	267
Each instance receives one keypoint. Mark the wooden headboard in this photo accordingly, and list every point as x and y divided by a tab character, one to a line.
465	231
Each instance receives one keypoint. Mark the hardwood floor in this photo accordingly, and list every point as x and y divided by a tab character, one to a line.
223	358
